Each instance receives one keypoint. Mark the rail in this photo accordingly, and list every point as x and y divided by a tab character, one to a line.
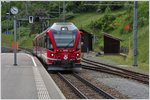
115	70
87	83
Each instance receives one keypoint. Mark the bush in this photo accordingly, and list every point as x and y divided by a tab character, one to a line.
69	15
143	13
105	23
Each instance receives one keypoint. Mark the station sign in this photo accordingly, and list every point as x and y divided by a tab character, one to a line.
31	18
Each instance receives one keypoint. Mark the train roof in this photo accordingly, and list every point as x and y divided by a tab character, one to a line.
60	26
63	26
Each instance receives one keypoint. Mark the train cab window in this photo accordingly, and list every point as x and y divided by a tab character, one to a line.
64	34
64	38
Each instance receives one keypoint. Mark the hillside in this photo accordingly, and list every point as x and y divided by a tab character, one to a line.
123	17
110	21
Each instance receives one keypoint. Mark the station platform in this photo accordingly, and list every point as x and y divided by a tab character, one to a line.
27	80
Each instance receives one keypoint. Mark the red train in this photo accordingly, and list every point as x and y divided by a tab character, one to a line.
59	47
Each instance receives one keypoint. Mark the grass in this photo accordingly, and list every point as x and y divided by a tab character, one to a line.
117	58
23	38
123	61
7	39
82	20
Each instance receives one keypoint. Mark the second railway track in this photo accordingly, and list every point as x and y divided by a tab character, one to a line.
93	65
83	88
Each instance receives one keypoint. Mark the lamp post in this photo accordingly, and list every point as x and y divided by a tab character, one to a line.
14	11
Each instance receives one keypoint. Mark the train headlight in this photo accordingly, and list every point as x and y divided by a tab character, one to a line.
78	54
52	54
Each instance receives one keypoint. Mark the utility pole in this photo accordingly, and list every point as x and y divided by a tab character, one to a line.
64	11
59	10
19	28
135	33
7	16
26	7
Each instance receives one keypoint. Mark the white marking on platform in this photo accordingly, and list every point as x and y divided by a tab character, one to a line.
41	88
33	61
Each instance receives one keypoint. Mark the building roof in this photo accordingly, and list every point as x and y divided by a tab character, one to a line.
108	35
83	31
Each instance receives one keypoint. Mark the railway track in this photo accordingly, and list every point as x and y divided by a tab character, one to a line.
83	88
97	66
96	93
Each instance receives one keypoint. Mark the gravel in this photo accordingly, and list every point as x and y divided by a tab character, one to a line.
87	91
66	90
92	76
117	86
128	87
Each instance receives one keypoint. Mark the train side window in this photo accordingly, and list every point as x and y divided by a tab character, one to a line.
48	43
33	43
45	41
37	42
79	44
40	42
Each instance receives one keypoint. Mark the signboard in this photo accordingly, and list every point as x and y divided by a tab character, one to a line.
7	32
127	27
12	45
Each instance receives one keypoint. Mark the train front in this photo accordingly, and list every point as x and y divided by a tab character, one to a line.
65	52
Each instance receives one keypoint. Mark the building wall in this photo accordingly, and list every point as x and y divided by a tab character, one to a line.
111	45
87	42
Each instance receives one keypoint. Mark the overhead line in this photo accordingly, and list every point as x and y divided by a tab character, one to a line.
110	4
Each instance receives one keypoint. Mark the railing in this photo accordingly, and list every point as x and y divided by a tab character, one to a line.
124	50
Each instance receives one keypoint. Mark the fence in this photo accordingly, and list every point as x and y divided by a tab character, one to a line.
124	50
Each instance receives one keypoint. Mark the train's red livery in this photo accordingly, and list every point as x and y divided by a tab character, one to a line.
59	47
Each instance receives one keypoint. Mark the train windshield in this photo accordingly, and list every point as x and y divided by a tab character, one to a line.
64	34
64	38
